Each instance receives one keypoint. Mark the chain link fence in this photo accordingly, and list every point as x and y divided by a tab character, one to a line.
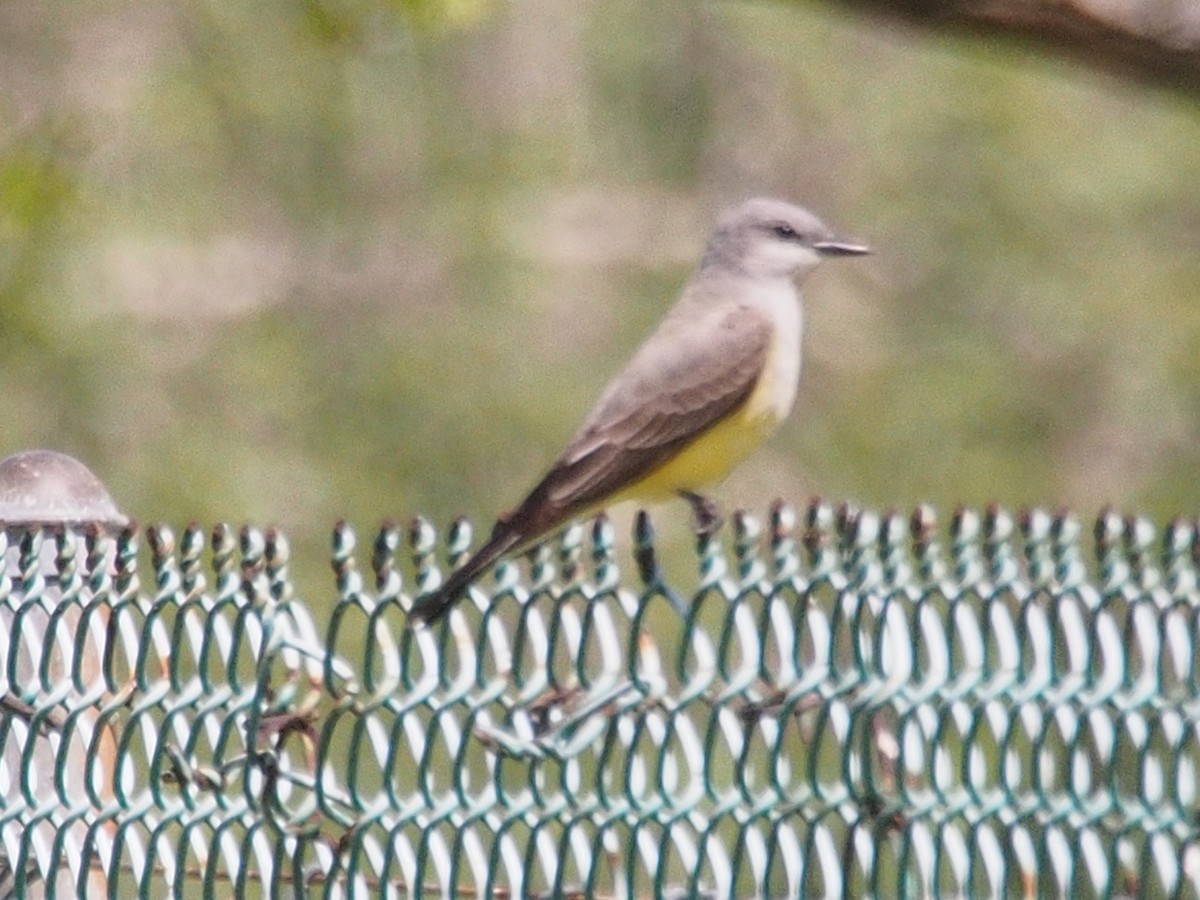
855	705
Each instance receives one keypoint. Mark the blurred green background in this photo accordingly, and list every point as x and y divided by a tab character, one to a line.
284	261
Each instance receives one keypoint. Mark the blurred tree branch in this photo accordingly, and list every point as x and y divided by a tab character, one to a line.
1157	41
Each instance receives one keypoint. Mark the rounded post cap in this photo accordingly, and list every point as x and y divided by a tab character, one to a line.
45	487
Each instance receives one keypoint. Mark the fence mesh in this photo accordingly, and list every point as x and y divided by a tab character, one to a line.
855	705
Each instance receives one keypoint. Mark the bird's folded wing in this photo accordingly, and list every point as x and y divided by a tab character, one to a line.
659	410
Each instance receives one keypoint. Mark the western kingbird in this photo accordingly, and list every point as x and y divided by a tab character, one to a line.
708	386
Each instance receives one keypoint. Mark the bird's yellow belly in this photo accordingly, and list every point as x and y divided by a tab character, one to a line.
713	455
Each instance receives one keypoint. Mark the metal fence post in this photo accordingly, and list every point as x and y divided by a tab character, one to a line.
51	676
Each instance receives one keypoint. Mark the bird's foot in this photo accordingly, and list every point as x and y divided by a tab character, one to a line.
708	517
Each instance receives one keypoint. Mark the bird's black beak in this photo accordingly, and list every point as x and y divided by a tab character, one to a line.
838	247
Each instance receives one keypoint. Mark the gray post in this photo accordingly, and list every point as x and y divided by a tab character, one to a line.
48	497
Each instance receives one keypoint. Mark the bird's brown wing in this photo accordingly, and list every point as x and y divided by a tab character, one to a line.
648	415
650	419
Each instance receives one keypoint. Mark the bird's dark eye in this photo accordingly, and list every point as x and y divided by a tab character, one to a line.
785	232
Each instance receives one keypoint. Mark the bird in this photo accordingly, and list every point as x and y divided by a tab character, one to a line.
709	385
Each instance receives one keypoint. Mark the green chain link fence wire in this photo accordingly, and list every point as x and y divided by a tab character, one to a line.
856	705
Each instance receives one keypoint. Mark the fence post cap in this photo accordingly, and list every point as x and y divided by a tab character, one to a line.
45	487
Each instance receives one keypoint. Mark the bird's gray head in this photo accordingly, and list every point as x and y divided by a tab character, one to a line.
767	238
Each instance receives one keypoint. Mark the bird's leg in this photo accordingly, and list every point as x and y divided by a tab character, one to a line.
708	517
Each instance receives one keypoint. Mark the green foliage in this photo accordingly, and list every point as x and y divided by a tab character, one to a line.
291	261
37	191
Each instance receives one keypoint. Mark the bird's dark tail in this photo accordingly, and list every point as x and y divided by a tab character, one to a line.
433	606
538	514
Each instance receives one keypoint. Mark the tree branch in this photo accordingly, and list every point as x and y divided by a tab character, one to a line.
1156	41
